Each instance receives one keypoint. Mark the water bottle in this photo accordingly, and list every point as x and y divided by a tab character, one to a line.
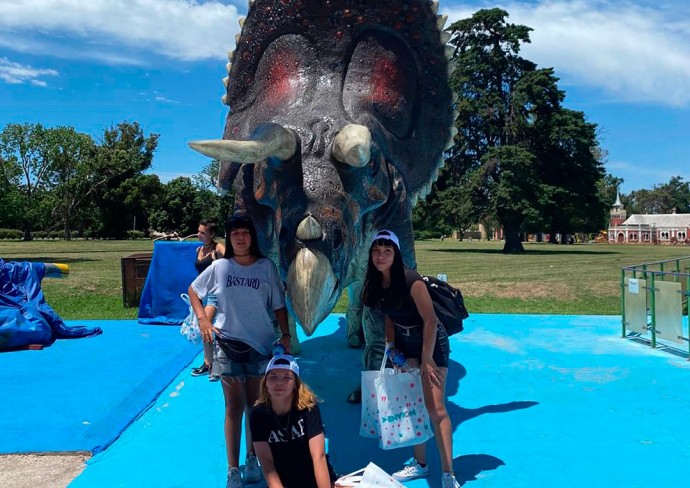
278	348
398	359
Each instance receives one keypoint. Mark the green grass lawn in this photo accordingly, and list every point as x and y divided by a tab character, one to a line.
548	279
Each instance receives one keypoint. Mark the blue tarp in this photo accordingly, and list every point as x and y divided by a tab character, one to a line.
25	317
170	274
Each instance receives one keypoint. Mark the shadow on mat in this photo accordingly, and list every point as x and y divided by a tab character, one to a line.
469	466
332	369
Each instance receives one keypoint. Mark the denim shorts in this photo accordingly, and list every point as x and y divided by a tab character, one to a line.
409	342
236	358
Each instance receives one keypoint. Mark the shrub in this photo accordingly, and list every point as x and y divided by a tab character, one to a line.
11	234
422	235
135	234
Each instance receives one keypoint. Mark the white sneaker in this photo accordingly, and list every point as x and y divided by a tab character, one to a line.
448	481
412	471
234	479
252	471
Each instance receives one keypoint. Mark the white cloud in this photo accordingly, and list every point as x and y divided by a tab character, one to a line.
18	74
635	53
162	99
178	29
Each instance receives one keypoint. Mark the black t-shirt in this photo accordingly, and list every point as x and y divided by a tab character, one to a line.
288	437
406	314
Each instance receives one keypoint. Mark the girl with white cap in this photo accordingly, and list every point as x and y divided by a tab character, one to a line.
287	430
415	337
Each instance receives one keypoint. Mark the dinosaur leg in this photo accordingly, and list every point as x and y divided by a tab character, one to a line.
355	334
373	325
294	342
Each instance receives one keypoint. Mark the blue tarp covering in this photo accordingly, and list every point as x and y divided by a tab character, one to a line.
25	317
170	274
81	395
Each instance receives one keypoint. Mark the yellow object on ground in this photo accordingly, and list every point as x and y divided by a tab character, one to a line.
56	270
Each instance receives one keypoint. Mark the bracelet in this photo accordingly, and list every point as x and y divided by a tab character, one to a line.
286	334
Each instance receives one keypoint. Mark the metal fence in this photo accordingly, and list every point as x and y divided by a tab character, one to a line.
654	301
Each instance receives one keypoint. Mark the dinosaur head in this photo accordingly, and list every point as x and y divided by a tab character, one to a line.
338	109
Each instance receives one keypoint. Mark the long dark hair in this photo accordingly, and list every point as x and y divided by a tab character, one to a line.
373	282
242	222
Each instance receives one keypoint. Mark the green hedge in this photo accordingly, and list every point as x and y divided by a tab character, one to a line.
11	234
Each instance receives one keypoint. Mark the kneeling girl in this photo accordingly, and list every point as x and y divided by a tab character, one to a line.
287	430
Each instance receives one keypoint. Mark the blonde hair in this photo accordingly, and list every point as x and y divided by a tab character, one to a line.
302	397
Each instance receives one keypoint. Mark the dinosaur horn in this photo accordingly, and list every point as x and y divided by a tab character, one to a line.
352	145
267	140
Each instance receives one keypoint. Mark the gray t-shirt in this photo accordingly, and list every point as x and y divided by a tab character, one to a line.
247	298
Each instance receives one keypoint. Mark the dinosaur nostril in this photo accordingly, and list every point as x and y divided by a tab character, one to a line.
320	129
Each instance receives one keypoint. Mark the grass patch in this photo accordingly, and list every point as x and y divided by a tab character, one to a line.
546	279
93	289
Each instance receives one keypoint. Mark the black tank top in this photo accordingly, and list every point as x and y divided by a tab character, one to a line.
203	263
406	314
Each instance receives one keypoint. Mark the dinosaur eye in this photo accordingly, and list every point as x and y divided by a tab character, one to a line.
381	80
280	76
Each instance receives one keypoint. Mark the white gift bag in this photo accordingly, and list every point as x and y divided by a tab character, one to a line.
369	423
190	325
369	477
402	416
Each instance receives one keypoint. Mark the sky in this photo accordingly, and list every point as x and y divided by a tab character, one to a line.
91	64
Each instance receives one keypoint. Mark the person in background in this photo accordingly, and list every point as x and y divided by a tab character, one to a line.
288	433
250	299
209	251
415	337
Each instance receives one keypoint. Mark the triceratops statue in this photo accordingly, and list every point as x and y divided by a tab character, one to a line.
340	112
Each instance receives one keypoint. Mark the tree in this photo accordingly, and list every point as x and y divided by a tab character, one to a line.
123	153
143	195
25	166
572	173
180	209
530	162
212	204
486	77
73	178
661	199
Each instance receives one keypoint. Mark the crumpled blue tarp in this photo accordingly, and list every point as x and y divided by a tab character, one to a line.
170	274
25	317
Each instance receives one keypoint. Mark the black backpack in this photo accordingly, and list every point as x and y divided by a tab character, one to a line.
448	304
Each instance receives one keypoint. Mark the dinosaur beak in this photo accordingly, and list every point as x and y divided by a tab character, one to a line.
311	288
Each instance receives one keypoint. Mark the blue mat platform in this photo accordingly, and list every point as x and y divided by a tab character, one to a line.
536	401
81	394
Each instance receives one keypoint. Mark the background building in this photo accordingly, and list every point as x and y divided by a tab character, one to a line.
670	228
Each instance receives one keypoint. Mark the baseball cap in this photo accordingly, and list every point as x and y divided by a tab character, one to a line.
387	235
283	361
